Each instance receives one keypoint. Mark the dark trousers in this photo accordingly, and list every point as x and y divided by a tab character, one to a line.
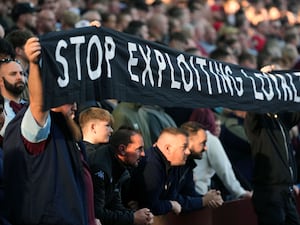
275	206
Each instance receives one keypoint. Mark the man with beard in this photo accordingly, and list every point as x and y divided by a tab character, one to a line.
12	84
110	165
47	180
186	185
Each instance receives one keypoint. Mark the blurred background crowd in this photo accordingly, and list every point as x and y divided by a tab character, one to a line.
268	30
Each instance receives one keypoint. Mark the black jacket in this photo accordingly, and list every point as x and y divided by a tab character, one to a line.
271	147
108	175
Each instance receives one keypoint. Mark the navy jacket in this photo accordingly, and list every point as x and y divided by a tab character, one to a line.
188	197
151	183
155	183
47	188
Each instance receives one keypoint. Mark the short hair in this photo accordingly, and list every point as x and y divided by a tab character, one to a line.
141	5
244	56
122	136
175	12
18	38
41	2
219	54
174	131
94	113
192	127
134	27
70	18
192	50
6	49
178	36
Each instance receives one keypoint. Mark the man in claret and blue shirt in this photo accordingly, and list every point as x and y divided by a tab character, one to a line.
47	179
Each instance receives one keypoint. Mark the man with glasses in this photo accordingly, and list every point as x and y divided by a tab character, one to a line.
109	168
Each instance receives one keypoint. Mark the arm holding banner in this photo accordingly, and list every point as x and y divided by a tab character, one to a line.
33	51
46	146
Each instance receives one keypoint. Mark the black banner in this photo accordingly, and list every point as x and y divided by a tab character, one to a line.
99	63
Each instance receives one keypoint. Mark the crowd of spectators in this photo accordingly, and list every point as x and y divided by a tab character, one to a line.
253	26
252	34
267	29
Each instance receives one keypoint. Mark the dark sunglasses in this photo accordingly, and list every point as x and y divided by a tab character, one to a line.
7	60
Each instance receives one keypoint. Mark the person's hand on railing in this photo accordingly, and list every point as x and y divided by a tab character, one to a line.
143	217
247	195
176	207
212	199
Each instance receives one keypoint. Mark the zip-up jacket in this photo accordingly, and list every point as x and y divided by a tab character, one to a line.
109	175
271	147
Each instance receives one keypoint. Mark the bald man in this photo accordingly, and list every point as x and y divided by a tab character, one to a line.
155	175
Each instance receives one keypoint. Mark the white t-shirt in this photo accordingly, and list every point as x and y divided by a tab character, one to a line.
215	160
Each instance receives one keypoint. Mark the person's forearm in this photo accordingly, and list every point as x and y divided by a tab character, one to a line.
36	95
32	50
